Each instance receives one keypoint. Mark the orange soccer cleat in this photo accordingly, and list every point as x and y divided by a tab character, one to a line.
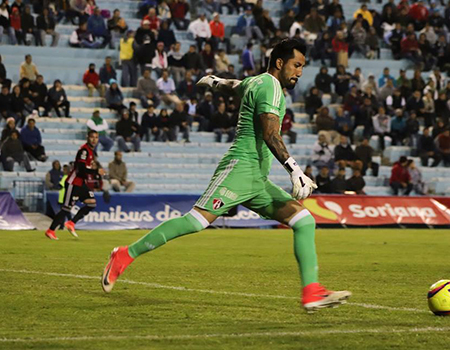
70	226
316	297
118	262
51	234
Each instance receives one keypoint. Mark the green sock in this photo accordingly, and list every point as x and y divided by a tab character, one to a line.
304	227
170	229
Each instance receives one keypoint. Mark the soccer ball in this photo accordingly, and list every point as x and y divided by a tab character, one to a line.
439	298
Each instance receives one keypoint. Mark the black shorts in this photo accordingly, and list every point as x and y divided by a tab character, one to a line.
76	193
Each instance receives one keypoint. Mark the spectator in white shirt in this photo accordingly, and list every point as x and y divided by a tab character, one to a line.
166	86
159	62
100	125
201	30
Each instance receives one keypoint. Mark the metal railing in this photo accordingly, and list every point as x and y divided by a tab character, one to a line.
29	195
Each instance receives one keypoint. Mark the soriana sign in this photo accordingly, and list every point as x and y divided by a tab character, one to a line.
365	210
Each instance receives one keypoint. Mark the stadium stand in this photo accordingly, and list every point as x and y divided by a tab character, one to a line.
181	167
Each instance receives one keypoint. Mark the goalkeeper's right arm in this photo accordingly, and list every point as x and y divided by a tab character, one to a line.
227	86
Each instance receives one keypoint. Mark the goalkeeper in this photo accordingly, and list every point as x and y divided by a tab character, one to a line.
242	177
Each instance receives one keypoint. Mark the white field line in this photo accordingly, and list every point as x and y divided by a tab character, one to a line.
229	335
207	291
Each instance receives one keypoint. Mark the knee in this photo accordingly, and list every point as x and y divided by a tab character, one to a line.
91	205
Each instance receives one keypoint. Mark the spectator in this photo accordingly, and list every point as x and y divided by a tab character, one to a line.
57	99
29	27
385	77
134	115
382	126
323	181
334	21
373	44
323	81
127	131
204	111
117	25
150	123
323	49
28	69
221	123
145	5
371	83
266	25
359	39
118	174
175	59
179	121
427	149
248	60
147	90
343	123
38	92
441	50
443	146
417	182
77	9
229	74
53	177
410	49
364	153
193	61
357	79
208	57
114	97
412	128
418	13
5	103
323	153
143	32
8	129
209	7
218	33
344	154
159	62
201	30
180	9
395	101
400	178
442	108
3	80
309	172
325	124
356	183
246	26
5	24
100	125
313	102
165	123
107	72
340	47
145	53
286	127
426	52
287	21
364	116
18	105
415	103
339	184
417	82
92	81
166	35
439	128
82	38
398	128
129	69
222	61
164	11
12	151
314	23
404	84
16	25
187	88
153	19
32	140
341	80
166	87
97	27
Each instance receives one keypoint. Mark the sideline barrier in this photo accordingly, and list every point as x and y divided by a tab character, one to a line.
11	218
145	211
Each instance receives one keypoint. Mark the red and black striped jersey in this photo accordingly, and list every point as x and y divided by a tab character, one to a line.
83	165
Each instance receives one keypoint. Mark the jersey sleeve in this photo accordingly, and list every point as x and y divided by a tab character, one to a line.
268	97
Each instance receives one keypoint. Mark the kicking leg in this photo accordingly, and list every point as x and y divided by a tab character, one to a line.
194	221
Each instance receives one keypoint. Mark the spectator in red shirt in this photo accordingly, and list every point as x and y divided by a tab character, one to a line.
153	19
218	33
92	81
443	146
410	49
400	178
419	14
179	9
16	24
286	126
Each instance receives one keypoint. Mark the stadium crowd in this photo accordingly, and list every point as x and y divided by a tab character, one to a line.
390	106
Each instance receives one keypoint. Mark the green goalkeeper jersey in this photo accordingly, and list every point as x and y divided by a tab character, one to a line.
259	94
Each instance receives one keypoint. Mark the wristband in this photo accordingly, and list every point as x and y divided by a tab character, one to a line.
291	166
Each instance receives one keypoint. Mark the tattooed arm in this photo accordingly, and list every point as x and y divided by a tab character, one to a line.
302	186
272	138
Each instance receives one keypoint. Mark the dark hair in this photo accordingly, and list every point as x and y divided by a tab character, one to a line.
285	50
90	132
28	55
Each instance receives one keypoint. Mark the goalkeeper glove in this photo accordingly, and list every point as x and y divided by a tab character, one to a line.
302	185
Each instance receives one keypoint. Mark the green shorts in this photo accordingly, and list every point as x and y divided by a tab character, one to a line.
235	182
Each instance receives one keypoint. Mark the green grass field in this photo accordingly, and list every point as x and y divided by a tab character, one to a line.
222	289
